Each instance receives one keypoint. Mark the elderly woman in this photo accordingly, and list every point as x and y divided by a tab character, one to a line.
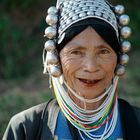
85	54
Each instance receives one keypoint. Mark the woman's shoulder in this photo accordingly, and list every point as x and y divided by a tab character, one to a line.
129	110
26	122
130	119
30	113
34	113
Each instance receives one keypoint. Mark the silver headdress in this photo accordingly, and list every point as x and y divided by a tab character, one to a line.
69	12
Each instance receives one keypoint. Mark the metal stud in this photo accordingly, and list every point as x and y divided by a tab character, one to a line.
71	14
55	71
124	59
65	17
52	10
126	32
97	13
83	14
50	32
124	20
51	19
65	4
105	16
50	45
64	10
90	13
77	10
81	5
89	3
52	58
120	70
119	9
126	46
85	8
75	17
68	21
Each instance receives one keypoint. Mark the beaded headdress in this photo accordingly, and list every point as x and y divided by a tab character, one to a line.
68	12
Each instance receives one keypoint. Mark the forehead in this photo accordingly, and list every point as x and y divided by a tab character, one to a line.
87	38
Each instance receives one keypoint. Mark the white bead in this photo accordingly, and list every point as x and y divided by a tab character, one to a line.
52	10
126	46
119	9
51	19
124	59
124	20
126	32
50	32
50	45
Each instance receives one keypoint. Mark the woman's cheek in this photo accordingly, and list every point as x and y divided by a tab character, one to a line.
69	67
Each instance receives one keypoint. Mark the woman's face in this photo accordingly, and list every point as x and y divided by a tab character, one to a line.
88	63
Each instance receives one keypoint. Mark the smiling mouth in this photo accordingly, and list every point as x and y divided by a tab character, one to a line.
89	82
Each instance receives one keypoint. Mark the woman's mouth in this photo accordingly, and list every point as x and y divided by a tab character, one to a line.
89	82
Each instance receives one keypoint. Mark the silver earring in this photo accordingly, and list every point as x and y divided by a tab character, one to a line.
120	70
125	32
50	55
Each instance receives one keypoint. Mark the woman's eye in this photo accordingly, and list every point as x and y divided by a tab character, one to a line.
76	52
104	51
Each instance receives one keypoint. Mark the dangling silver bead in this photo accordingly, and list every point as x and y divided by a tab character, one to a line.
52	10
50	45
55	70
52	58
51	19
126	32
124	59
50	32
120	70
119	9
124	20
126	46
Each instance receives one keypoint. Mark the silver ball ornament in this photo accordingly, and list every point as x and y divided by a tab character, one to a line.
126	46
124	59
50	45
126	32
120	70
124	20
52	10
52	58
55	70
51	19
119	9
50	32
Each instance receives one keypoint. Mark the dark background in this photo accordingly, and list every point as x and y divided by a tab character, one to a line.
22	84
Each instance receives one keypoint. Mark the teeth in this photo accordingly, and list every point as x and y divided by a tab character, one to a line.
89	81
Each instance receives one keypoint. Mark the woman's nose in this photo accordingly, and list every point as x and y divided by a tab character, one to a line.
90	64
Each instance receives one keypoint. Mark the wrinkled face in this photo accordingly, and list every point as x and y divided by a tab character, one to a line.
88	63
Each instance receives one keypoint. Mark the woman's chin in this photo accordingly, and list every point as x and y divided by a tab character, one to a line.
89	90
